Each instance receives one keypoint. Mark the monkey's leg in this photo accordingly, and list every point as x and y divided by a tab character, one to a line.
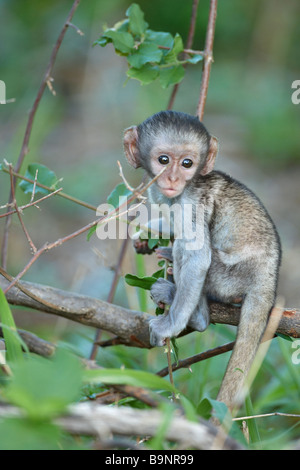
254	316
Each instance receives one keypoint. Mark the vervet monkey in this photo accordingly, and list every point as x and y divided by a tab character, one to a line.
240	252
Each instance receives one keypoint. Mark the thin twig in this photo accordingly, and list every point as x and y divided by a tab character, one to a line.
34	186
26	291
49	246
33	203
31	244
28	265
168	346
78	31
266	415
186	363
24	148
208	57
61	194
187	50
123	177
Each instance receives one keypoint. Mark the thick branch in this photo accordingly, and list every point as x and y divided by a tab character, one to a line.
102	421
131	326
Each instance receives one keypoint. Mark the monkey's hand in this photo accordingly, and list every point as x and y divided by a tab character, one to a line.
163	292
141	247
161	327
164	252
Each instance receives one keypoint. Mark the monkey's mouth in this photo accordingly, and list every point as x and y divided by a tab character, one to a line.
170	192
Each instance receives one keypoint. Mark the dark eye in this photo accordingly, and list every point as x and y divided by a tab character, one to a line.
163	159
187	163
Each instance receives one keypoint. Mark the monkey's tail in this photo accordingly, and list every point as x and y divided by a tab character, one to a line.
254	316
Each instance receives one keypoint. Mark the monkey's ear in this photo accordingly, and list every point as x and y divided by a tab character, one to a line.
211	156
130	146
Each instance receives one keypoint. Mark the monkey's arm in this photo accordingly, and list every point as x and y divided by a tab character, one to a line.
190	269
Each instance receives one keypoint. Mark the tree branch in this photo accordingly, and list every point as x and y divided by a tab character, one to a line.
102	421
208	57
189	44
132	327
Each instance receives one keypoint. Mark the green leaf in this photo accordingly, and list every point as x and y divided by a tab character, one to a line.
252	423
209	407
145	53
161	39
119	192
90	232
143	282
189	409
171	56
172	75
45	176
122	25
153	242
44	387
12	340
123	42
195	59
146	74
159	311
160	273
132	377
137	25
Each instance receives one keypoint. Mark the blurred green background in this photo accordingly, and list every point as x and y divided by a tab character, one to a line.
78	132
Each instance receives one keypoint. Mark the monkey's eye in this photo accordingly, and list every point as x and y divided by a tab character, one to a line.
187	163
163	159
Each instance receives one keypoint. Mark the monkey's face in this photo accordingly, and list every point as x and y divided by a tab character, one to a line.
181	162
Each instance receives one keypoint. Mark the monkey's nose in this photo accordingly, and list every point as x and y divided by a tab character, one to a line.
172	177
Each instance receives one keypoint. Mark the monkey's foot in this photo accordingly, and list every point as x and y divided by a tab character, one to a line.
160	329
163	291
199	321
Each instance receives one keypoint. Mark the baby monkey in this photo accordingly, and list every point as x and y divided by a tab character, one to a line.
240	252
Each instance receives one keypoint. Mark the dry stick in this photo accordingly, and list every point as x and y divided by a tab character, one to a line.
208	57
24	149
188	48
